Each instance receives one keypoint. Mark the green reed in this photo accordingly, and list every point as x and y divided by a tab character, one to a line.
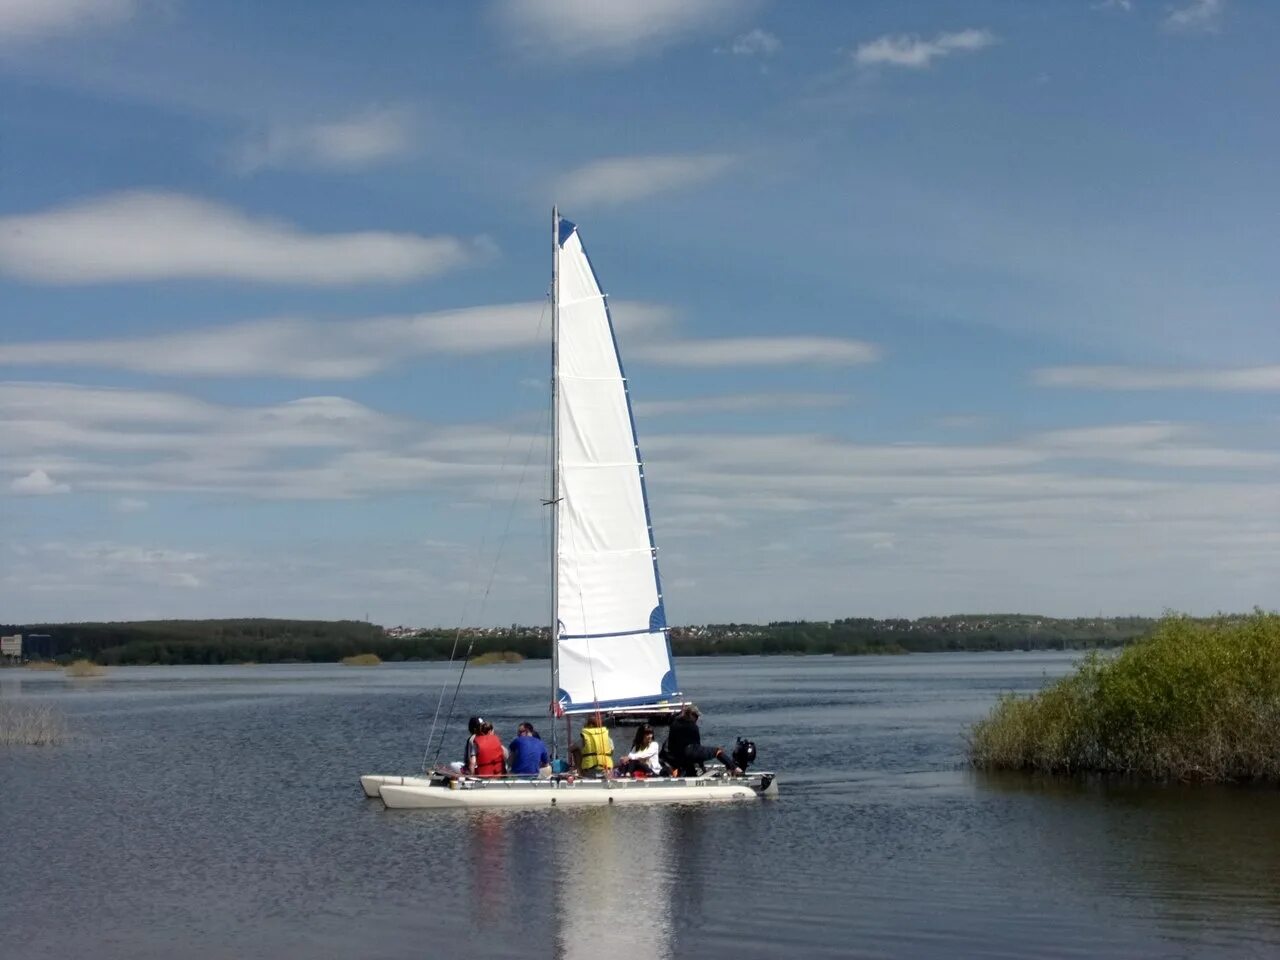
1198	700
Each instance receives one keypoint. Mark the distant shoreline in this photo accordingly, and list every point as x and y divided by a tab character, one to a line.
161	642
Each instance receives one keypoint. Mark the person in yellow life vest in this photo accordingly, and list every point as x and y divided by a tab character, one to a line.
597	749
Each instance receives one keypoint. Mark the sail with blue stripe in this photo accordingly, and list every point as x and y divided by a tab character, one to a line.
612	643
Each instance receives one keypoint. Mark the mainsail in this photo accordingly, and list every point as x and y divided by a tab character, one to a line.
612	647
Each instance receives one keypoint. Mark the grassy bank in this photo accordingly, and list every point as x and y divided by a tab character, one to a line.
362	660
1198	700
31	725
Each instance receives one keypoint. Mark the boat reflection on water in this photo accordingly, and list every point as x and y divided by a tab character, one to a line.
489	853
615	882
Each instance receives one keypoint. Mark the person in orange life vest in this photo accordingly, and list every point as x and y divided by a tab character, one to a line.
490	759
596	749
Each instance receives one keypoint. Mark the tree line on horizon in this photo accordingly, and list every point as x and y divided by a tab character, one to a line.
258	640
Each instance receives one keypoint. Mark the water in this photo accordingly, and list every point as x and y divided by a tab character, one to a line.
215	812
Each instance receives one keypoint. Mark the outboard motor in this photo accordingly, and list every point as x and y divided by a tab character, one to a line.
744	754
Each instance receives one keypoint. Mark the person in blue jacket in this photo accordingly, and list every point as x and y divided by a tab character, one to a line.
528	752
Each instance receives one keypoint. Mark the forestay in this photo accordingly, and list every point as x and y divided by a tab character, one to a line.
612	644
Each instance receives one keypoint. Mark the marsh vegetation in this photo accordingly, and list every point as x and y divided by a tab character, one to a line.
362	660
31	725
1198	700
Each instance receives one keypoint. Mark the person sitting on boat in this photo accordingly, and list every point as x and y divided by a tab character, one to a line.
685	750
596	749
643	758
490	757
527	752
469	751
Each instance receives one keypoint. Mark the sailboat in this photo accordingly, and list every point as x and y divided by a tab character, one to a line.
610	643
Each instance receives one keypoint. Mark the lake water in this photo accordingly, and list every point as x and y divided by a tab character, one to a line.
210	812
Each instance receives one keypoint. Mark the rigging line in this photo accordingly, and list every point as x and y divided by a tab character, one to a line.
483	600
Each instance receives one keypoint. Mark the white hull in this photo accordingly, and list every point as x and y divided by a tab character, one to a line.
438	793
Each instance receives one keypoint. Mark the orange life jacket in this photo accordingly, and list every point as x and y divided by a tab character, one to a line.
489	759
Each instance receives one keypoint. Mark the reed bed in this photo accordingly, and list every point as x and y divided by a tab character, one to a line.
1197	701
85	668
362	660
497	656
31	725
42	665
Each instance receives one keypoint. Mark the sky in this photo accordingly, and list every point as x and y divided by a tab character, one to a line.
944	307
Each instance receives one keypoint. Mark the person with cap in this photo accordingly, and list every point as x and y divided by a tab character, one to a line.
469	752
684	749
490	756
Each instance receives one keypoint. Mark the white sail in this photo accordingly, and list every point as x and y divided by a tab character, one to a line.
611	638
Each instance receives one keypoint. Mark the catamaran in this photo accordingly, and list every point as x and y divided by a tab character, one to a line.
610	643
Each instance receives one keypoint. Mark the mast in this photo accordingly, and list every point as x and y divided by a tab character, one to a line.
554	499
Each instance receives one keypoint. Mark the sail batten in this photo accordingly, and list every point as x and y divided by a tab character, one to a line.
612	646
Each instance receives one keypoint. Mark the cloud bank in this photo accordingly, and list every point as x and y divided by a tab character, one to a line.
597	29
622	180
146	235
29	20
352	143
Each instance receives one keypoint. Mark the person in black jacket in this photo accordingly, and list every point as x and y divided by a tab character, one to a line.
684	749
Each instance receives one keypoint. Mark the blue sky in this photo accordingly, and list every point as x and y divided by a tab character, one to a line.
927	308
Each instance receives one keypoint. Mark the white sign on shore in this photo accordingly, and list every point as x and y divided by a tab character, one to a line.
11	646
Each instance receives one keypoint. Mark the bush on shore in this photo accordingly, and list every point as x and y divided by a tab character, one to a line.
1198	700
497	656
85	668
362	660
30	725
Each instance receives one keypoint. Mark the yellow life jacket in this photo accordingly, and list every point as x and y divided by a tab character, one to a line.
597	749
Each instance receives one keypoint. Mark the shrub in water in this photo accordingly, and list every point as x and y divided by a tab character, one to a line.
85	668
497	656
1195	701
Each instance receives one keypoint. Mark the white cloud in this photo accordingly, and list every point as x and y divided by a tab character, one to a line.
1125	5
374	136
755	43
739	403
129	505
27	20
915	53
623	179
596	29
130	563
1235	379
1122	435
37	483
314	350
150	236
1198	16
758	351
